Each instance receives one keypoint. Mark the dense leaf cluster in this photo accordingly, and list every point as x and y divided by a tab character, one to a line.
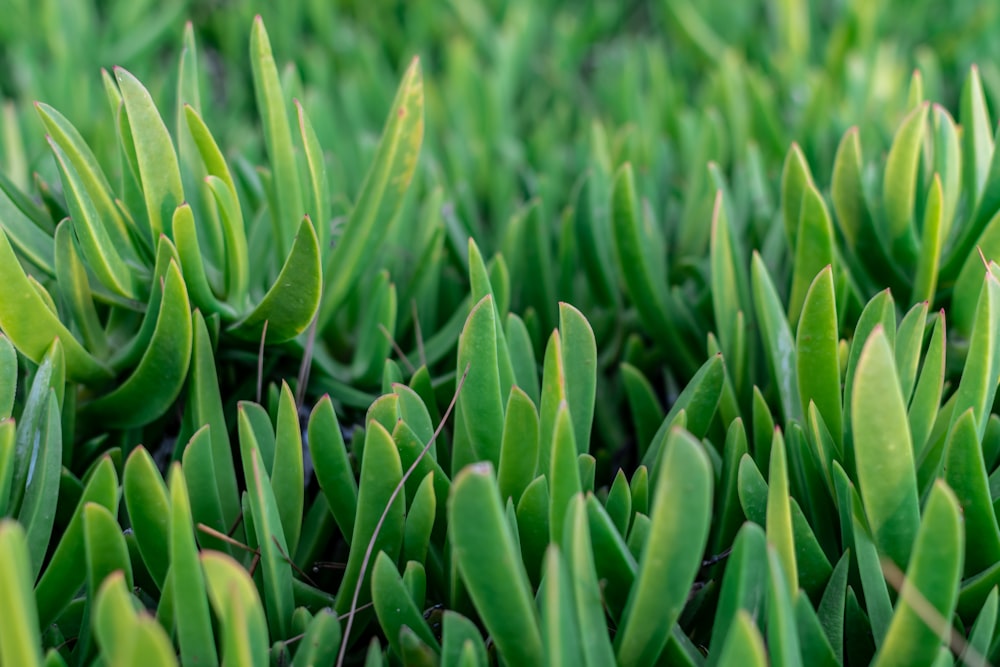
639	334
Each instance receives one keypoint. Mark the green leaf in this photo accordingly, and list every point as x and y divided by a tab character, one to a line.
981	373
672	554
7	463
647	415
781	635
114	618
900	184
220	184
815	249
559	623
31	326
95	242
394	606
832	607
519	446
491	566
194	624
74	285
817	353
932	243
847	191
878	605
480	404
318	199
275	556
564	473
644	288
243	633
201	479
579	351
156	159
293	299
981	633
19	637
149	510
64	576
41	494
589	609
816	648
780	537
884	451
333	470
192	263
277	136
909	340
977	136
965	473
287	478
461	643
533	531
8	382
105	550
381	194
932	580
795	180
744	644
321	642
743	588
158	379
420	521
698	401
87	168
204	405
779	346
381	473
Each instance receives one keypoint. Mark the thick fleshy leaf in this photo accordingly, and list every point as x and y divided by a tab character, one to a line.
779	345
965	473
978	385
642	283
381	473
287	477
672	554
780	538
20	642
63	576
155	156
814	250
31	326
884	451
900	183
817	353
41	494
332	467
102	256
385	184
744	586
148	507
519	447
158	379
932	580
395	607
698	402
292	301
244	636
194	624
491	567
272	106
480	404
275	557
579	350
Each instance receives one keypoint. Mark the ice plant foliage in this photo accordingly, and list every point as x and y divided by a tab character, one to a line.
684	355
